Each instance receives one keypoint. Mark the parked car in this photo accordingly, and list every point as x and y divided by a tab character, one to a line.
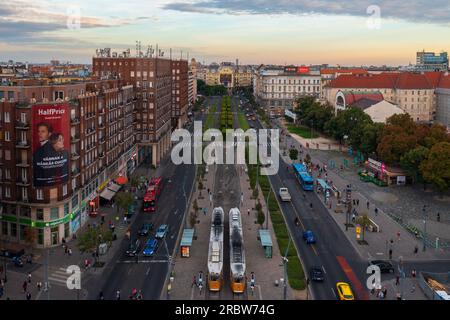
385	266
316	274
145	229
344	291
162	231
308	236
284	194
133	248
17	261
150	247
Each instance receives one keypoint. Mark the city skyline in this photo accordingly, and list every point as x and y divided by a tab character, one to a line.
269	32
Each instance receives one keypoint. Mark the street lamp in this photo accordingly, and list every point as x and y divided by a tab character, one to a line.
424	228
267	210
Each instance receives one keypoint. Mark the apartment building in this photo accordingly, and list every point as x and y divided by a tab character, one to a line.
279	87
61	148
151	78
192	97
180	92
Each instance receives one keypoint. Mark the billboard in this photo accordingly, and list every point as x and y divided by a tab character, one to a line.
303	69
51	144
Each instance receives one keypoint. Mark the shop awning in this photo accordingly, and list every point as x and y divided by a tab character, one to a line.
114	187
107	194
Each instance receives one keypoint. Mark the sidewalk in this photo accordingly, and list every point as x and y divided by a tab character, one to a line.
379	243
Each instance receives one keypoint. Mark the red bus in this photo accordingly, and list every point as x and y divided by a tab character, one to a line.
152	195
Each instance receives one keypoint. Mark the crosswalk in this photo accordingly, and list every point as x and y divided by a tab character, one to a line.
58	276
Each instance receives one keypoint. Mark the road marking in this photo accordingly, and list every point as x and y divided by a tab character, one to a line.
143	261
334	293
314	249
358	287
323	268
148	271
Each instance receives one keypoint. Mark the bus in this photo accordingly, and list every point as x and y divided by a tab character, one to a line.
304	178
152	194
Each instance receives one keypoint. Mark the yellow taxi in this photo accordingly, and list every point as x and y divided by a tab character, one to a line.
344	291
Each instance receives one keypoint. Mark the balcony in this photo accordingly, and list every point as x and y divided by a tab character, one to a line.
74	139
101	126
22	145
90	115
90	147
23	183
102	140
75	172
74	121
21	164
75	156
102	111
22	125
90	131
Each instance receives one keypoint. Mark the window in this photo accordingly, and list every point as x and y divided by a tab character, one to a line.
74	202
54	213
39	194
132	74
13	229
64	190
7	192
7	119
4	228
39	214
7	135
66	209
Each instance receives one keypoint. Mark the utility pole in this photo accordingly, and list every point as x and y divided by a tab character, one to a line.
424	228
267	209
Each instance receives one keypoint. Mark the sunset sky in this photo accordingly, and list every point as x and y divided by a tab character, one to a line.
255	31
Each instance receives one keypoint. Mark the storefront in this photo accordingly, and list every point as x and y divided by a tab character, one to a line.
382	175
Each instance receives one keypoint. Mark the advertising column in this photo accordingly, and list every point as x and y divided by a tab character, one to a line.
51	144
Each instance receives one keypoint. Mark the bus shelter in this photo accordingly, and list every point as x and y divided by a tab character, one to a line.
186	243
266	242
323	187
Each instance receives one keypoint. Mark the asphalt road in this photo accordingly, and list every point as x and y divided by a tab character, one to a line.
332	252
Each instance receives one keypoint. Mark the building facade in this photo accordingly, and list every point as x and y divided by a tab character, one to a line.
151	79
227	74
279	87
180	92
430	61
55	193
413	92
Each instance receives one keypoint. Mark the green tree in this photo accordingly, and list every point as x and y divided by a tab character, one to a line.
364	221
124	200
293	154
370	138
89	240
307	159
412	160
436	168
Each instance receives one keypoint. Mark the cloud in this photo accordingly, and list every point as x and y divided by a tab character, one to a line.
412	10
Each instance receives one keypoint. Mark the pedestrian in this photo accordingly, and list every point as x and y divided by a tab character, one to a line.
390	254
413	288
69	251
118	295
63	241
100	296
438	218
413	273
354	202
357	202
385	292
399	296
24	286
194	281
376	211
397	280
39	285
248	211
28	296
368	205
29	277
398	235
416	249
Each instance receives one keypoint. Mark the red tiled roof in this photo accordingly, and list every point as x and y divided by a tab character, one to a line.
351	97
444	81
394	80
352	71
